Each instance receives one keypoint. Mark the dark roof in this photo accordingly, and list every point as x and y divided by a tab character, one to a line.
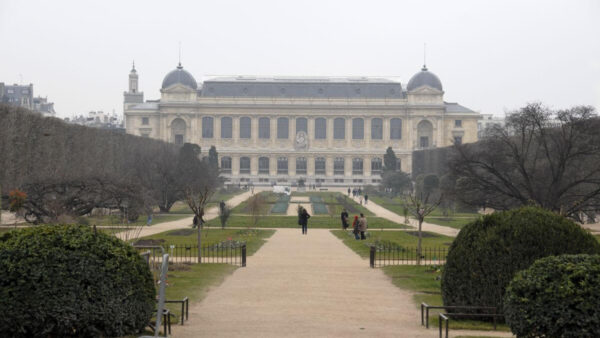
288	87
179	75
453	107
424	78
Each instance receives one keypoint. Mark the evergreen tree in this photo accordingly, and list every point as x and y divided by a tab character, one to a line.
213	158
389	160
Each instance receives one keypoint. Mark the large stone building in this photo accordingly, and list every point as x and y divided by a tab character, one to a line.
332	131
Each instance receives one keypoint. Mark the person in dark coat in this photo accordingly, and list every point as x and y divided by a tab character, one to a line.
366	198
344	217
355	228
303	220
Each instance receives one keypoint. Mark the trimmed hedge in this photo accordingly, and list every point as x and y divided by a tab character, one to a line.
488	252
557	296
67	280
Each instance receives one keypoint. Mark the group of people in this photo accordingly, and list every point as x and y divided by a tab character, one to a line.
357	192
359	225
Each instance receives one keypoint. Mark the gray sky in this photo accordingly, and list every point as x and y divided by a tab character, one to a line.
491	56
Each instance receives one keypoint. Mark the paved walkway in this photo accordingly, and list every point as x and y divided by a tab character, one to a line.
380	211
184	222
307	286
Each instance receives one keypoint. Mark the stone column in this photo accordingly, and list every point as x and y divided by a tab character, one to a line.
387	122
291	166
235	165
273	165
310	166
367	131
367	166
253	130
254	165
348	133
235	133
329	132
217	131
348	166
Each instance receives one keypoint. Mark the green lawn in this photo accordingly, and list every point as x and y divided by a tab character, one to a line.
597	237
453	222
316	222
254	239
402	238
425	281
193	281
115	220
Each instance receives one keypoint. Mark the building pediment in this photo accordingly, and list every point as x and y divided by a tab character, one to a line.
177	88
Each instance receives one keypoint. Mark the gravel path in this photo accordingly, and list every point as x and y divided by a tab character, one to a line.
305	286
184	222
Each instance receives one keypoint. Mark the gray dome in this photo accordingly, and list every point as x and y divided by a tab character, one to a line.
424	78
179	75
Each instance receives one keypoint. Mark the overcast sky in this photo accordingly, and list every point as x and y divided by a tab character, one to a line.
491	56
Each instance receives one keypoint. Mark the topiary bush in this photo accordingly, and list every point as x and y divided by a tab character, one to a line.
488	252
557	296
67	280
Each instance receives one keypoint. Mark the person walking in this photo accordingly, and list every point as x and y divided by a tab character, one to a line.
355	228
344	217
366	199
303	220
362	225
349	190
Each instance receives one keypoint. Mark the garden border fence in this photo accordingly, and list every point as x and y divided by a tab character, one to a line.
380	256
211	253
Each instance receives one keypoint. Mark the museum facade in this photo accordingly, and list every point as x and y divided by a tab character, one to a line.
328	131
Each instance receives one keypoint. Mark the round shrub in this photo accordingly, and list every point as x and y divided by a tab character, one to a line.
488	252
67	280
557	296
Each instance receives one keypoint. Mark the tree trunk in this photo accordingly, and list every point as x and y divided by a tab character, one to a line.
199	242
419	242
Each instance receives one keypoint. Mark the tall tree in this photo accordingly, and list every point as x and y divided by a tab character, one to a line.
199	185
426	198
213	158
390	161
540	157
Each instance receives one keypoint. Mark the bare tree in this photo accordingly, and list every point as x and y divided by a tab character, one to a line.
257	207
425	199
541	157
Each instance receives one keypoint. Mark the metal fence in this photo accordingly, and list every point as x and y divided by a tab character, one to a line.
228	253
381	256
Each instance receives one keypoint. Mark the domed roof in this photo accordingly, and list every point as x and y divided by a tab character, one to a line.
424	78
181	76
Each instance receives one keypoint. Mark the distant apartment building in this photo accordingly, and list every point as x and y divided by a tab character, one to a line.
487	121
98	119
22	96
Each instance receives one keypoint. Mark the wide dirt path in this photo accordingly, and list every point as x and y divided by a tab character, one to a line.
305	286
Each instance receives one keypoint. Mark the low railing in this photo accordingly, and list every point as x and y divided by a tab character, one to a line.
224	252
491	311
185	307
383	255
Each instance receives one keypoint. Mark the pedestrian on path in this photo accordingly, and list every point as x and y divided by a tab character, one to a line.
344	217
355	228
303	220
362	225
349	190
366	199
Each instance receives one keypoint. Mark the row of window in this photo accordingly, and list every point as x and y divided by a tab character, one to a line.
283	132
320	164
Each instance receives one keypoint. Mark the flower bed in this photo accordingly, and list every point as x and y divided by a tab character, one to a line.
319	207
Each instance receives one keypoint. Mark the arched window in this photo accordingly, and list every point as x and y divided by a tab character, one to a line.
396	129
320	128
339	128
376	165
245	127
357	166
301	125
263	165
244	165
178	128
358	129
376	129
301	166
283	128
425	134
282	165
226	164
338	166
264	127
207	127
226	127
320	166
